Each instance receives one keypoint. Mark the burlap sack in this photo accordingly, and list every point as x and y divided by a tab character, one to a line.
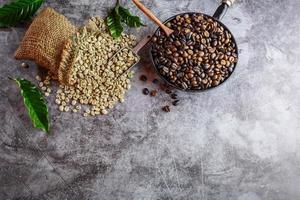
44	40
66	63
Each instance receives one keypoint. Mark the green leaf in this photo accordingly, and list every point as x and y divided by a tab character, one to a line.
119	15
114	23
18	11
35	104
129	19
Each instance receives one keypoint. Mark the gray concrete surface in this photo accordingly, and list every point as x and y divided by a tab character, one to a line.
240	141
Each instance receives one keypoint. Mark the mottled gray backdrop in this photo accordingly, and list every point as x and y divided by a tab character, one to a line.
240	141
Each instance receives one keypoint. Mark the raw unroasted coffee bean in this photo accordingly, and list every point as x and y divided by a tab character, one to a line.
200	54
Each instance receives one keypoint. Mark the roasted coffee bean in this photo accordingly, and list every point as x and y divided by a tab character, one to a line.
177	43
190	75
153	93
214	36
175	103
204	81
174	96
143	78
166	69
206	66
215	77
223	62
179	75
185	54
154	39
206	33
146	91
174	66
160	66
213	56
184	85
156	61
215	83
201	53
24	65
166	109
231	68
168	91
155	81
194	83
210	73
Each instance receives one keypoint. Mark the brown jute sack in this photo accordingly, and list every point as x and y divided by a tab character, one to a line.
44	40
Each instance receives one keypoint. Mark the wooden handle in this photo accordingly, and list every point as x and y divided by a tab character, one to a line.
147	12
141	44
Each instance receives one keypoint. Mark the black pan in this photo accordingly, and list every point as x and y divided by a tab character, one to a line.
217	16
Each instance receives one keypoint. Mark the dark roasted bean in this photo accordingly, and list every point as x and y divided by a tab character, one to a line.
166	69
215	83
155	81
168	91
206	66
213	56
215	43
143	78
175	103
184	85
24	65
174	96
166	109
146	91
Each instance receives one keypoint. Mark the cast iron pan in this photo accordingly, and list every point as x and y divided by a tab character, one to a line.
217	16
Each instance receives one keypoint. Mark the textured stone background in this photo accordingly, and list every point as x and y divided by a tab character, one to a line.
240	141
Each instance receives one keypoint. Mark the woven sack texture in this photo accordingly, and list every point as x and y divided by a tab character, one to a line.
44	40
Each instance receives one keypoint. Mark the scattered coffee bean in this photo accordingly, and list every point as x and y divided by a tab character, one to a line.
143	78
166	108
153	93
200	54
24	65
146	91
175	103
168	91
174	96
155	81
